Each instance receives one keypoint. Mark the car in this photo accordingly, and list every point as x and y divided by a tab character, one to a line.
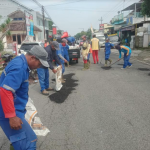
26	46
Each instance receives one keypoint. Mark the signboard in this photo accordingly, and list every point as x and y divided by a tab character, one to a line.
29	24
130	21
101	27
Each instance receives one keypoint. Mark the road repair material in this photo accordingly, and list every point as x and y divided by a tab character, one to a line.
32	118
58	76
109	67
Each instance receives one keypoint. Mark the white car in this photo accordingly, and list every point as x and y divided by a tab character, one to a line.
25	47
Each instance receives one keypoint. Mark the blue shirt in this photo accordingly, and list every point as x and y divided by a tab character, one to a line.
108	47
65	49
124	51
60	52
15	79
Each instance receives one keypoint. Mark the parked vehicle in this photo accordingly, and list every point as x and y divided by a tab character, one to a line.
27	46
74	53
7	58
114	39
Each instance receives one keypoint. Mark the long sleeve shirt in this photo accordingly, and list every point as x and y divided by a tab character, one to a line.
52	56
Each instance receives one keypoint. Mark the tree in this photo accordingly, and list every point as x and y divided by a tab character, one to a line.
146	8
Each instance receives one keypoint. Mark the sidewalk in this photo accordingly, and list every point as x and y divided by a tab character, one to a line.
139	55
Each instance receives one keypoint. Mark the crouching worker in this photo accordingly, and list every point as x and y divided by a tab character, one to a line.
127	54
108	46
85	52
14	87
43	72
60	54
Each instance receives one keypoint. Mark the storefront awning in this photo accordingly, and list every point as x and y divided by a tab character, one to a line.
128	28
132	7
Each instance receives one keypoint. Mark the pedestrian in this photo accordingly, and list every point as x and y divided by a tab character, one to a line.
108	46
127	54
85	52
65	49
45	44
60	53
43	72
95	47
14	87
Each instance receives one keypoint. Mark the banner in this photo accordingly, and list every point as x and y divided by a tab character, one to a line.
101	27
29	24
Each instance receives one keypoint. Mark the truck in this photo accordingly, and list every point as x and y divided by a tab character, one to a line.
74	53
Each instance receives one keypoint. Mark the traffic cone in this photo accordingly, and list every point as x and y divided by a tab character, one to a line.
65	34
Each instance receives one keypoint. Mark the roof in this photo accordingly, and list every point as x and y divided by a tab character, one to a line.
20	26
21	5
132	7
17	14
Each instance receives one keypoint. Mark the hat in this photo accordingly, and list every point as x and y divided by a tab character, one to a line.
64	40
55	44
84	36
40	53
118	47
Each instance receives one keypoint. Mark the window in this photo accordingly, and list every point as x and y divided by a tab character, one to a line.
19	39
14	38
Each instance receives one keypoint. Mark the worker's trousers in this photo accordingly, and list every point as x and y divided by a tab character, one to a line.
95	56
23	139
126	60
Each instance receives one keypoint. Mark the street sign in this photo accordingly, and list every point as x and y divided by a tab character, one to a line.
101	27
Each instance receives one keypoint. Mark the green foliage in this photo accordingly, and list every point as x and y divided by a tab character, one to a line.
8	21
8	33
146	8
87	33
50	25
1	46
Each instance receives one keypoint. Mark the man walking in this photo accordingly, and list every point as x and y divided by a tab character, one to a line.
95	47
43	72
14	87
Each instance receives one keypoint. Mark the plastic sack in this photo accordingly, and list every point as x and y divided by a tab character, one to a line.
32	118
58	77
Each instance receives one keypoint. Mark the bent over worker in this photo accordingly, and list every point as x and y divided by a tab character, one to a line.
127	54
14	87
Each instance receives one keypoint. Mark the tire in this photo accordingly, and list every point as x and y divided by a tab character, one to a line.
77	61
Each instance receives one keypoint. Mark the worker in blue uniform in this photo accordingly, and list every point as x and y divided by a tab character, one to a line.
65	48
14	87
62	60
108	46
127	54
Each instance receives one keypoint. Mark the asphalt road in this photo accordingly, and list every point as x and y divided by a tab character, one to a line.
97	109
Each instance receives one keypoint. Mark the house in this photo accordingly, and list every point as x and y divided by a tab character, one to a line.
8	7
17	28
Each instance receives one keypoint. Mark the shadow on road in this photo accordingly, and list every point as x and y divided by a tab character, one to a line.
144	69
68	87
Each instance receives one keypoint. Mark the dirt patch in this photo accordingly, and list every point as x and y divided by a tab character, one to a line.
68	87
106	68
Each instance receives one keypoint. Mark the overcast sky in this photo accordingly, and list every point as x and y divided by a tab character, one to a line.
77	15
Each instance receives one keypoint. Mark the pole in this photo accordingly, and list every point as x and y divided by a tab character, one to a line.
43	21
135	10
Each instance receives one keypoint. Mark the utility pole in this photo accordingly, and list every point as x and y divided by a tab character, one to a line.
43	21
101	20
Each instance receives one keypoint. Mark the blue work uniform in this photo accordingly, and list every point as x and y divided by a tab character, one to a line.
126	58
15	79
108	50
60	52
66	53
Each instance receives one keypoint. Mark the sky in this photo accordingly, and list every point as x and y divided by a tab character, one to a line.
79	15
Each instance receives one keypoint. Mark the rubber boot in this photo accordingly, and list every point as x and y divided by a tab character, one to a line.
110	61
62	79
11	147
85	67
105	63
